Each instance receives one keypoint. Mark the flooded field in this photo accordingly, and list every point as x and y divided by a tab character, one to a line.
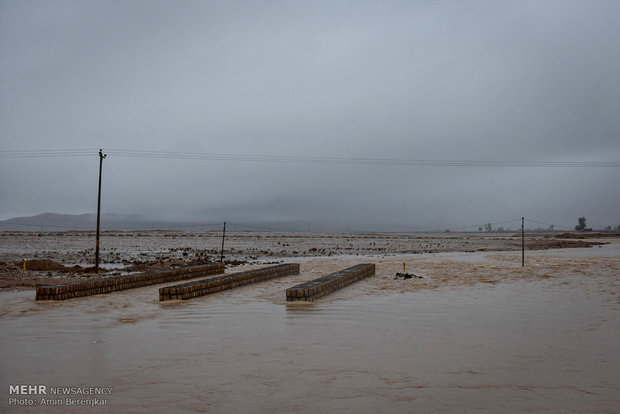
474	332
118	248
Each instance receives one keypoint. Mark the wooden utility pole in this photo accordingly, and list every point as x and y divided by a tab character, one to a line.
522	241
101	157
223	237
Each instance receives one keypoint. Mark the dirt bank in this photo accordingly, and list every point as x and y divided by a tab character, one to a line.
14	277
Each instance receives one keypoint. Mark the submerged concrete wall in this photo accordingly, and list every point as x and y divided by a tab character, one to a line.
112	284
327	284
216	284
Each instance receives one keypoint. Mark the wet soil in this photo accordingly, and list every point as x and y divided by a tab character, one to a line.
66	256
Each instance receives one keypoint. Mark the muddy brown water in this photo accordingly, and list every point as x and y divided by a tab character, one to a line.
477	333
71	248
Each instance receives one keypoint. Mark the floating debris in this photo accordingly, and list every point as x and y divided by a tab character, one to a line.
408	276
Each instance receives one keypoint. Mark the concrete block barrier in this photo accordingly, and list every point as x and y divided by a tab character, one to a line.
112	284
327	284
216	284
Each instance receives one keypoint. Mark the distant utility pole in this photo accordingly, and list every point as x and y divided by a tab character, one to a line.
101	157
223	236
522	241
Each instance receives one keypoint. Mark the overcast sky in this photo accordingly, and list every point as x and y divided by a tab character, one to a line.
414	80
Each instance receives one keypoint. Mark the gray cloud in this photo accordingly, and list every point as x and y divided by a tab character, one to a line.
413	80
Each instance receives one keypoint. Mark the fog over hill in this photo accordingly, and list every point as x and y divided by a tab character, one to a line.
53	222
65	222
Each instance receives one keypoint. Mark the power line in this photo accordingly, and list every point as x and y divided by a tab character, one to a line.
479	226
216	226
309	159
548	224
485	225
48	153
355	161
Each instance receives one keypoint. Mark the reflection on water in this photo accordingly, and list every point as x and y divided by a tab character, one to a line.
520	346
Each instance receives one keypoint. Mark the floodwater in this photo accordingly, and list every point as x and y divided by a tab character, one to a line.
72	248
476	333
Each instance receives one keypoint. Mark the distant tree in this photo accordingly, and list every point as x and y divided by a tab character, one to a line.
582	224
488	227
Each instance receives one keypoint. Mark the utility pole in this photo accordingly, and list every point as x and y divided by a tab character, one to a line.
223	236
522	241
101	157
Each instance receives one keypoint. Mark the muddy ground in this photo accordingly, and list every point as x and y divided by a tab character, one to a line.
67	256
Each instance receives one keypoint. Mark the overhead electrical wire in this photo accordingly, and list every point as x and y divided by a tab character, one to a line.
555	226
216	226
308	159
47	153
479	226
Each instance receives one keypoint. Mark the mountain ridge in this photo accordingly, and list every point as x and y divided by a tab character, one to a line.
59	222
49	221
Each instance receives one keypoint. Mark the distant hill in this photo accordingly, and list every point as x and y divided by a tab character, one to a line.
64	222
54	222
